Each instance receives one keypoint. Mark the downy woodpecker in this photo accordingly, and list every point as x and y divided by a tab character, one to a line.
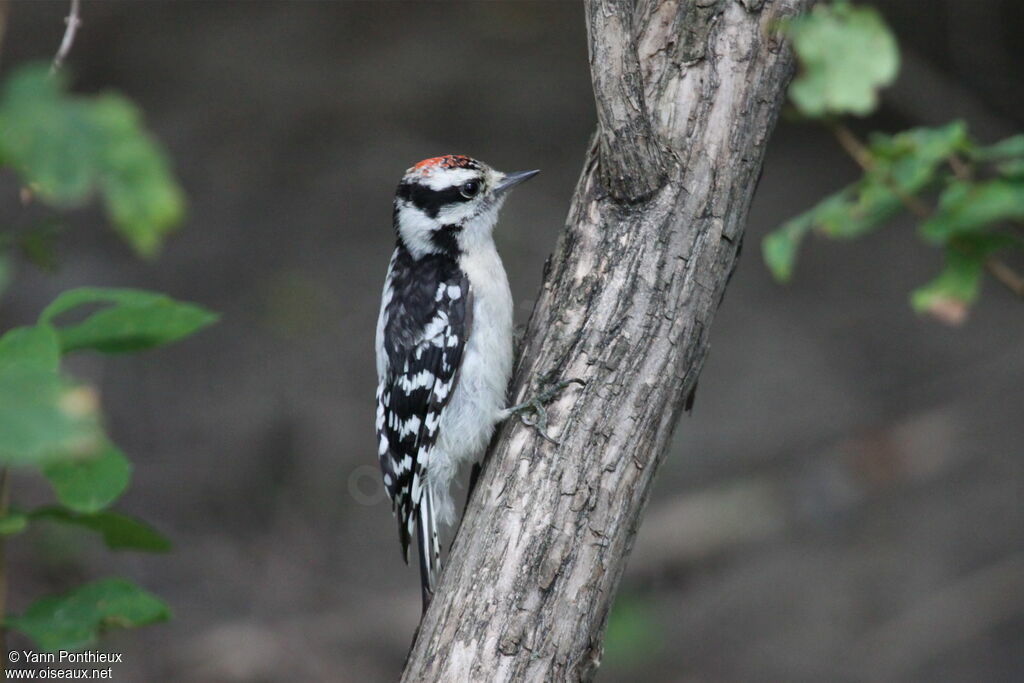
444	343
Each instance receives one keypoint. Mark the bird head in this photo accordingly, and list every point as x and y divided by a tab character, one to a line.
450	204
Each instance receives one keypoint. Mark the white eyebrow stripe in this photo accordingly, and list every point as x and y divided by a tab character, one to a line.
443	178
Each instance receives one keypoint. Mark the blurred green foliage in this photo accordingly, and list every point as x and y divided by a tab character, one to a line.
133	320
74	620
964	195
119	532
90	484
65	149
847	53
633	634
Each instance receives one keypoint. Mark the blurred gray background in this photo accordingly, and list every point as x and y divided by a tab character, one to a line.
843	504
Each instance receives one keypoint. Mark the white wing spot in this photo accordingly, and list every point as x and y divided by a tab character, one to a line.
415	488
411	426
421	379
441	390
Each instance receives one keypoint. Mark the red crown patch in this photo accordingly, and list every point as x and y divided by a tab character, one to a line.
446	161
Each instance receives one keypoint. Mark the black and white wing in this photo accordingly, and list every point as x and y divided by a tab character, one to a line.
425	324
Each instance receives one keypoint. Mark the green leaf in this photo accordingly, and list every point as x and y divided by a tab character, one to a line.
39	244
43	418
67	147
909	160
856	211
967	206
853	211
983	244
75	620
120	532
137	320
83	296
1009	148
846	54
30	347
90	484
13	523
902	165
780	247
948	296
48	138
139	191
1012	169
930	144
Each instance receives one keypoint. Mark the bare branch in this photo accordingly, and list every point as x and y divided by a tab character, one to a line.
72	22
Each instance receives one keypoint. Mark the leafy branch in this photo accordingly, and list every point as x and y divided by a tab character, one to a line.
67	149
52	424
965	196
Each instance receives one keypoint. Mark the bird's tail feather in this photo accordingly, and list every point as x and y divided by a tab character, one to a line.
429	546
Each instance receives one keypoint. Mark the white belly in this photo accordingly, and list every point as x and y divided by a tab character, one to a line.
480	393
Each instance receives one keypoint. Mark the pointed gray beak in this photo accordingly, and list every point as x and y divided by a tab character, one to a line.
512	179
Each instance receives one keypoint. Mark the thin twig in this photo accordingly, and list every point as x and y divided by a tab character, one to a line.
73	21
853	146
1005	275
960	169
996	267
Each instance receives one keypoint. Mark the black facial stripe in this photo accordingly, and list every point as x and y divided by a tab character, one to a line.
428	200
446	239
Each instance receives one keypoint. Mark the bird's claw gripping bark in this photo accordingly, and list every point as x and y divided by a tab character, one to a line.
535	407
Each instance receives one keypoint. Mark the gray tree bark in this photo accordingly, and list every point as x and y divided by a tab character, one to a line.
687	93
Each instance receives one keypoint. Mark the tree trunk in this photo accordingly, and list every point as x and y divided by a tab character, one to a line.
687	94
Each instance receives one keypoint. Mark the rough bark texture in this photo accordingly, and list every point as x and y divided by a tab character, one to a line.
687	98
632	164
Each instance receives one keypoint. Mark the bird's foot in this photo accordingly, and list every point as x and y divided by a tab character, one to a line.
532	412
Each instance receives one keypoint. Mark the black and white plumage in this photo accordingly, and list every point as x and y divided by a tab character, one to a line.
444	342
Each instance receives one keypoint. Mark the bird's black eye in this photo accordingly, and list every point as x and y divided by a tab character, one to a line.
470	189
